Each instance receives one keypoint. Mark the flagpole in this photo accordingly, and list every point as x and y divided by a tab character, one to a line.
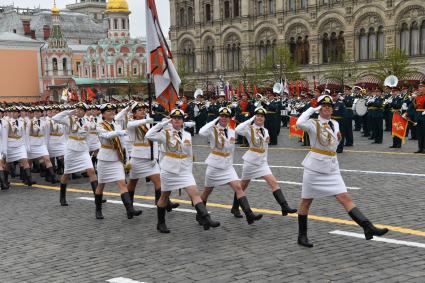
150	107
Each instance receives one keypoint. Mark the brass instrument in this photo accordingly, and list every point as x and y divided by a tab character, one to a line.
408	120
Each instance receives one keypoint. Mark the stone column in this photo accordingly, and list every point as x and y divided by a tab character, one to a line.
217	8
173	15
245	5
197	10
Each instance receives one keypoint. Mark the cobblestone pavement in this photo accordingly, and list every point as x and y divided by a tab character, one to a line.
43	242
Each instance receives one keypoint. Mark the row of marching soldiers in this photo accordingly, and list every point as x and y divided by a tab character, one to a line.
162	151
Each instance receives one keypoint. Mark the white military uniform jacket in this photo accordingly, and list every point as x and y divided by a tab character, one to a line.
13	134
141	147
55	132
77	130
107	152
36	131
258	139
92	138
177	156
323	141
222	147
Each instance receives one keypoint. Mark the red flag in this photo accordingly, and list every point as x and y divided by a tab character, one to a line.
83	95
298	87
291	88
315	86
232	123
399	126
91	95
293	130
255	90
241	87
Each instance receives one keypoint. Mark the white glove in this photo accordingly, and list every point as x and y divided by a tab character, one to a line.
423	113
190	124
121	133
317	108
165	121
4	155
148	121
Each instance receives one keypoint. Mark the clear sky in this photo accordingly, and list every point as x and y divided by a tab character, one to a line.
137	8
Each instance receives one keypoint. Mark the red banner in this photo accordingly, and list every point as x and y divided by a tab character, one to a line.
399	127
293	130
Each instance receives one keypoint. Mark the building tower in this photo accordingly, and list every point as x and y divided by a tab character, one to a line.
117	14
94	8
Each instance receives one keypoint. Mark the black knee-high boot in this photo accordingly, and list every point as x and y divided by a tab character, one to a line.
199	217
206	218
43	170
51	176
93	187
157	195
3	183
369	229
12	168
98	202
60	166
22	173
27	177
6	177
235	207
126	200
302	231
250	216
170	204
278	195
131	196
161	226
35	166
62	197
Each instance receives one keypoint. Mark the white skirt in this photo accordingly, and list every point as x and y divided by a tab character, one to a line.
142	167
253	171
317	185
110	171
57	151
37	151
217	177
16	153
76	161
171	181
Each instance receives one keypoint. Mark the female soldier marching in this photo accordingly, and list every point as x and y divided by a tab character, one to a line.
321	170
255	159
176	167
220	169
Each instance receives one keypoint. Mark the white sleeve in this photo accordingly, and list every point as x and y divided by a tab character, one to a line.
63	118
304	121
156	133
205	130
136	123
106	134
242	129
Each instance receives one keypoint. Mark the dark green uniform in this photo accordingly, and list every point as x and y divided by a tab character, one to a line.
376	118
339	116
159	112
213	111
348	121
272	122
388	115
396	105
201	118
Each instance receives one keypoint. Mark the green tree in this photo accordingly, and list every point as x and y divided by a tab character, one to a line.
395	63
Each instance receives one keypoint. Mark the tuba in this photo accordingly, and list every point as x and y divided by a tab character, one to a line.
278	88
391	81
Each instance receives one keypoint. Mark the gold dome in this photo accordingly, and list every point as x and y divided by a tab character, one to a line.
55	10
117	6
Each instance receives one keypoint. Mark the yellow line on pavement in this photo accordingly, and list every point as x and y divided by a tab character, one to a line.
402	230
345	150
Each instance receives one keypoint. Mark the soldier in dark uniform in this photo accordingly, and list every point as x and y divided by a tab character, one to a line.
188	110
419	106
348	120
357	119
396	105
388	115
212	109
201	113
272	123
244	111
338	114
284	115
408	100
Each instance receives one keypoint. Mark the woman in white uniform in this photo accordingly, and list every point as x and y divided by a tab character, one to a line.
37	136
4	182
220	169
255	163
77	157
56	140
144	153
321	176
92	138
14	143
111	160
176	167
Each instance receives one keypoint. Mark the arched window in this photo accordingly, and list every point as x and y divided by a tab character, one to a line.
363	44
272	7
208	12
115	23
227	9
291	5
325	48
333	48
210	55
372	43
381	40
260	8
236	8
306	58
64	65
123	24
304	4
55	64
190	16
188	55
340	47
181	17
266	45
236	56
405	39
414	39
233	53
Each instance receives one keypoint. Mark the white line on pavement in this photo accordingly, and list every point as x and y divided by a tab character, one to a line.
122	280
299	184
379	239
140	204
343	170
